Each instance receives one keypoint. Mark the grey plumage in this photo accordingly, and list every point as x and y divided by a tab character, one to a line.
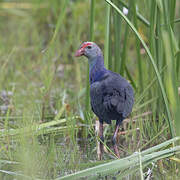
111	97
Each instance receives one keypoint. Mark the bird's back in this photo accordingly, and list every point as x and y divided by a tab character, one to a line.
112	97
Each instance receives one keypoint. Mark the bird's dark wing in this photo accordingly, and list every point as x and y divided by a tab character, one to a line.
117	95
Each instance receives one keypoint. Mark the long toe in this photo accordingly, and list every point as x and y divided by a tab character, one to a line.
100	150
116	151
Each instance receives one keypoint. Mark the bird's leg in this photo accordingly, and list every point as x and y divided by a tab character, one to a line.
114	139
101	146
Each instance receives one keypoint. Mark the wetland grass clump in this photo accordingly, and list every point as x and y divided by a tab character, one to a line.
47	130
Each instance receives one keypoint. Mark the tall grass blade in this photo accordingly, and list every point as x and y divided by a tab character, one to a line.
92	16
140	165
117	39
139	60
172	5
130	78
170	47
125	45
107	36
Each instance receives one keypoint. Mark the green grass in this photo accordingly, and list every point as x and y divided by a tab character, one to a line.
47	129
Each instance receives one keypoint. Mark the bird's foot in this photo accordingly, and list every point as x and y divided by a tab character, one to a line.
115	147
100	156
116	151
100	150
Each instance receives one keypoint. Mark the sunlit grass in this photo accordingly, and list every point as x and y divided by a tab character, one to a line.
47	129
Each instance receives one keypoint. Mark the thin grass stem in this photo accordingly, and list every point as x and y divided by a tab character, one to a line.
107	35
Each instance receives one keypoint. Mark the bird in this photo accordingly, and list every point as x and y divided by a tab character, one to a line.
111	95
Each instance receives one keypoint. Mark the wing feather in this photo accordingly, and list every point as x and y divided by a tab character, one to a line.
118	96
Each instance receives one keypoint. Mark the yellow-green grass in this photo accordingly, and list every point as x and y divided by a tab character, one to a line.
46	125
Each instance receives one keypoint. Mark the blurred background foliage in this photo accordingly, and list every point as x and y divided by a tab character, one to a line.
46	126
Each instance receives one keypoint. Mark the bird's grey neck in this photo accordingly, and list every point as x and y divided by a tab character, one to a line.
97	61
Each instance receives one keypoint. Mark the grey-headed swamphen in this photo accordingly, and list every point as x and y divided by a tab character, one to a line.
112	97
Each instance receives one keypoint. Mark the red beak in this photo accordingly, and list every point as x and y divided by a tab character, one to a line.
79	52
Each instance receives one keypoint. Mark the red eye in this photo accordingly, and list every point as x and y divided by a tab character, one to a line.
89	47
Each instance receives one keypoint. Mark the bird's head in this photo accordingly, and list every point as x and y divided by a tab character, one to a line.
88	49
